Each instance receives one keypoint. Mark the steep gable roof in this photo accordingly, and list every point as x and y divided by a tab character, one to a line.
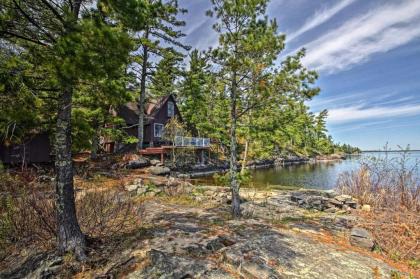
130	111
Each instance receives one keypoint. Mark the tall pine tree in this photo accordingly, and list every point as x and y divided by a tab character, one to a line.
159	38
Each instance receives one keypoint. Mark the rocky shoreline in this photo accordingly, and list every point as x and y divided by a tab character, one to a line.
208	170
283	234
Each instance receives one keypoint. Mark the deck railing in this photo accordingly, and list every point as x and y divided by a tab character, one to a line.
191	142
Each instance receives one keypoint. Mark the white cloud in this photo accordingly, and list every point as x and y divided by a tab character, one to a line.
357	113
320	17
379	30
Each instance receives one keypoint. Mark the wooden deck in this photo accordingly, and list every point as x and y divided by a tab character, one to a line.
162	150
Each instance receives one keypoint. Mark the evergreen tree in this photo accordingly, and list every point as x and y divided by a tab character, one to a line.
194	95
168	71
72	44
159	39
248	43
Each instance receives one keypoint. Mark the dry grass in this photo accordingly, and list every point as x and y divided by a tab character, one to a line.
392	187
396	232
385	183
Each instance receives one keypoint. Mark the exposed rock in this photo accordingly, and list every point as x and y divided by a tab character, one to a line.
157	170
131	187
141	162
330	157
141	191
219	243
322	200
165	265
203	242
254	270
154	162
134	186
38	266
361	238
184	176
343	198
172	182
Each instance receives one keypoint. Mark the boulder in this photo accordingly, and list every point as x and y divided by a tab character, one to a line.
130	157
361	238
157	170
141	162
343	198
141	191
154	162
131	187
184	176
323	200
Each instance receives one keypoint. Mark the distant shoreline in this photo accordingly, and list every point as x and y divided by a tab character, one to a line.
372	151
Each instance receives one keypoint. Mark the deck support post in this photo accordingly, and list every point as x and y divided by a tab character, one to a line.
202	157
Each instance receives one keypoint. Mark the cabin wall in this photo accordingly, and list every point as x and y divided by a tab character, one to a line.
162	117
35	150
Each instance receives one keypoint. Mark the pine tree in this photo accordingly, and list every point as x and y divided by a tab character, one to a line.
159	39
194	96
248	43
72	44
168	71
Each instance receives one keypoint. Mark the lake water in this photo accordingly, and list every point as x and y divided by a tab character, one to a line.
321	175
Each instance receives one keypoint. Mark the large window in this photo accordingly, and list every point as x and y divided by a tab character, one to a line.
158	130
171	109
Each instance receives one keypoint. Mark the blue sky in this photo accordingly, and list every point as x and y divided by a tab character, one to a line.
368	57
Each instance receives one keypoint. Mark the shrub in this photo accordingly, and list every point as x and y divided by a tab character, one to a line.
28	215
108	213
392	187
384	182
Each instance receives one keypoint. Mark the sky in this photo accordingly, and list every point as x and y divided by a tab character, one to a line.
367	54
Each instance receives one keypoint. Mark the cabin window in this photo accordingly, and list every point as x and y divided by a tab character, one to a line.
158	130
171	109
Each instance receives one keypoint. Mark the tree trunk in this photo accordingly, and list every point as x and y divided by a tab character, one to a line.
142	97
245	158
95	141
234	183
70	237
95	147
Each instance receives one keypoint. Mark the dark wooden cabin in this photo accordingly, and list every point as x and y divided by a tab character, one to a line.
157	115
36	149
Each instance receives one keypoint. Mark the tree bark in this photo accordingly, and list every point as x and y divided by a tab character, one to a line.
95	147
70	237
142	97
245	158
234	183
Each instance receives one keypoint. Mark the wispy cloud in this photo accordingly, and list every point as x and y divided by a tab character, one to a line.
320	17
359	126
380	30
358	113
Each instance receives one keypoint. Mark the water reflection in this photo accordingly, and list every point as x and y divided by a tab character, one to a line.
321	175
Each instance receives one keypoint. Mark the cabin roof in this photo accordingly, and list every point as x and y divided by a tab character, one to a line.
130	111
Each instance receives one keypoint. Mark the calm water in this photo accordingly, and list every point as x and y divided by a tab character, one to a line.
322	175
